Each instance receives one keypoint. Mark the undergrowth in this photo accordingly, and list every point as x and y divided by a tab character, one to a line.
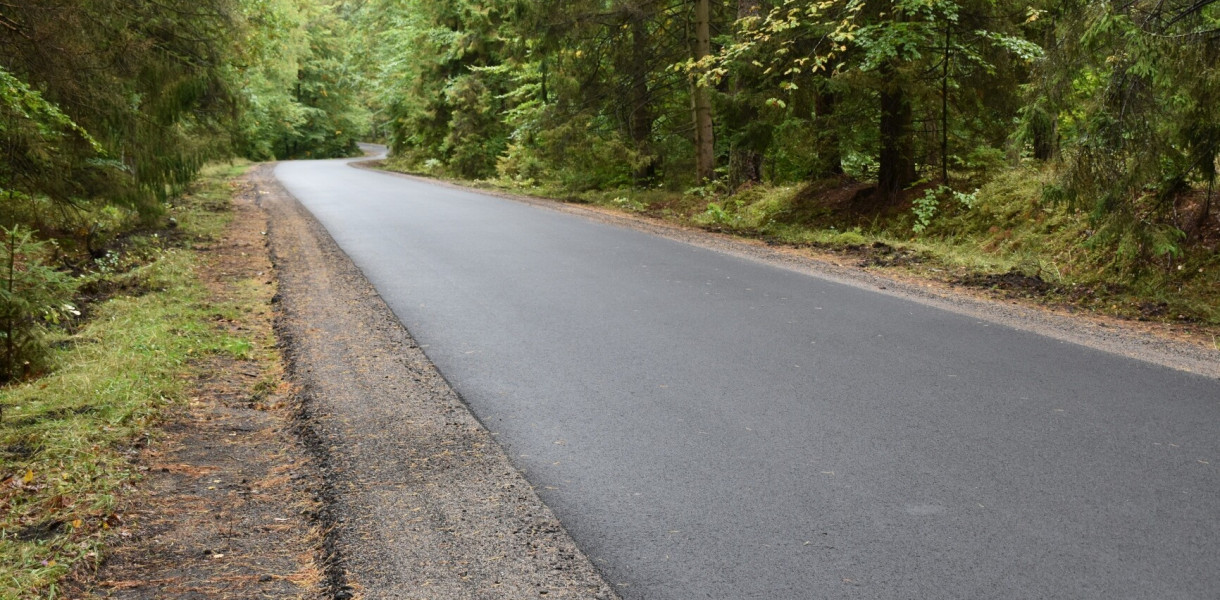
67	439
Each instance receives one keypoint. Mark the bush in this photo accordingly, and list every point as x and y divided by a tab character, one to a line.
32	296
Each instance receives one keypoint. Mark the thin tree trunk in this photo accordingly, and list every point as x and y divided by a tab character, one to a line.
830	161
640	119
897	163
10	346
944	112
705	142
1205	212
745	160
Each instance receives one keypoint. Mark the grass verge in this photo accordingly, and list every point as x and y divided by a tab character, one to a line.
67	440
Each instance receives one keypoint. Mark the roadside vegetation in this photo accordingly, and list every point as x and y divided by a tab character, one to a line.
1066	151
67	439
110	113
998	237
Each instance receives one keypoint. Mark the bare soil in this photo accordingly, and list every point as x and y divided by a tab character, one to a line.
224	509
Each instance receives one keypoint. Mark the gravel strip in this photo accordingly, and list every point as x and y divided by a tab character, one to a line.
421	500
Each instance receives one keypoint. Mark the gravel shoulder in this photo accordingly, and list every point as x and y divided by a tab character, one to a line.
1183	347
419	499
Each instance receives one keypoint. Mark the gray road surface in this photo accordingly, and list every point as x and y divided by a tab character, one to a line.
711	427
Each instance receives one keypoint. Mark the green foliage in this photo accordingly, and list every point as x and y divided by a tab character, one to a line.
925	207
144	79
1132	87
32	296
300	80
42	147
109	108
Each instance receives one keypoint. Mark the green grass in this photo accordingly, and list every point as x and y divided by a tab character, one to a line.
67	439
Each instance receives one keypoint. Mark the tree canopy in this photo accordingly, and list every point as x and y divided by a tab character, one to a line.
123	100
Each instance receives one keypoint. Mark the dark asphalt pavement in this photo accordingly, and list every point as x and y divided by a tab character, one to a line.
712	427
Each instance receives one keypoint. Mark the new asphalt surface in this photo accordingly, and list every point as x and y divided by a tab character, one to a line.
708	426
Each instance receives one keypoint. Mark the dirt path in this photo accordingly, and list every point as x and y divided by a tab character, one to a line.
224	509
422	502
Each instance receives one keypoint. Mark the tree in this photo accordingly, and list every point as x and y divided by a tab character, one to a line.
1134	87
705	141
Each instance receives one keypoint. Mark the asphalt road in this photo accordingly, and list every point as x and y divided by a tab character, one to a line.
707	426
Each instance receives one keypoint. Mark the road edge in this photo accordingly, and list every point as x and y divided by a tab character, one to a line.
483	533
1143	342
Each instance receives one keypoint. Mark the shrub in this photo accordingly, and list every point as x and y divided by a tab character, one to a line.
32	296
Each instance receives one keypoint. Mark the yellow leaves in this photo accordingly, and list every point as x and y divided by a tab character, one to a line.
29	476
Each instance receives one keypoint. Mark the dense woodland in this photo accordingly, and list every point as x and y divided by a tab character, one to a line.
1087	129
1073	145
595	94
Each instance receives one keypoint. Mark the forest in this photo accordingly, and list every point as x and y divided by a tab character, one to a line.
1070	147
1054	153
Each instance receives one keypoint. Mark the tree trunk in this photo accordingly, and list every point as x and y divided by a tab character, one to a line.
705	142
641	118
1044	137
897	161
944	111
830	157
1205	212
745	160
